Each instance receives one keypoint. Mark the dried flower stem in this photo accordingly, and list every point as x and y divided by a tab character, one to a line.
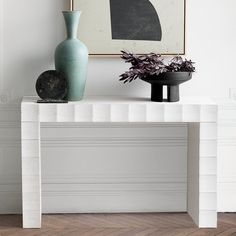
152	64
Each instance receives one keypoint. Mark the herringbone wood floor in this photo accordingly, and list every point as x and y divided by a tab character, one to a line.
117	225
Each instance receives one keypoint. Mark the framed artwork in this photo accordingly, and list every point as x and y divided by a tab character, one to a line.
138	26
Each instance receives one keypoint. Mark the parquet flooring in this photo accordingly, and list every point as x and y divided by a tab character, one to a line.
163	224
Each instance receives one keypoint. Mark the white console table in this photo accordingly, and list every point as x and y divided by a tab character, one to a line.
200	114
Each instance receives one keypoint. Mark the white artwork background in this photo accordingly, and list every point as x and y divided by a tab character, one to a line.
95	28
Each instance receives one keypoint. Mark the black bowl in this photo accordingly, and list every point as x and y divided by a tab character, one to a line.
170	79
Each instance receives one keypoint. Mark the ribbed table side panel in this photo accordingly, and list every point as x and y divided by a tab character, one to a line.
115	112
202	174
31	166
208	173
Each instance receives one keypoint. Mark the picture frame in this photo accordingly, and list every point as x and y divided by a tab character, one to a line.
138	26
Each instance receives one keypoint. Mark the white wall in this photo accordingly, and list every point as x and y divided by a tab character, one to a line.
32	29
29	33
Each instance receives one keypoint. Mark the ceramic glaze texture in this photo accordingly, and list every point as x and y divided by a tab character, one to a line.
71	57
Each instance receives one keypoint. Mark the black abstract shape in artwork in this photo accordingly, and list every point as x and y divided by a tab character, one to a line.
134	20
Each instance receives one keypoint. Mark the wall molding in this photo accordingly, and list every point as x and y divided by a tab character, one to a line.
118	178
113	141
113	125
227	124
98	142
103	178
9	125
231	141
95	193
110	192
229	179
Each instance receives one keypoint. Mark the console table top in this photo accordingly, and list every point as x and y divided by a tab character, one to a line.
128	100
121	109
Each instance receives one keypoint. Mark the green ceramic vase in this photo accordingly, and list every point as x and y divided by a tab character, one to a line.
71	57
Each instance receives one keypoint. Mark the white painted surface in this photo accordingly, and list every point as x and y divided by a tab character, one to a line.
202	145
202	174
27	43
227	157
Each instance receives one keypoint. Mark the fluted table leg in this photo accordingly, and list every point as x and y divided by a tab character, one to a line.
31	169
202	176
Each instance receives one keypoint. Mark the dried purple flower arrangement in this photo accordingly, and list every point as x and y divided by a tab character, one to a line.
152	64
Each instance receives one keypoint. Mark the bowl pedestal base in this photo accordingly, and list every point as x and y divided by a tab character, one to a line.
172	93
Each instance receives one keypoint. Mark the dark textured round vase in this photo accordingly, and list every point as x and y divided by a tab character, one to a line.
170	79
52	85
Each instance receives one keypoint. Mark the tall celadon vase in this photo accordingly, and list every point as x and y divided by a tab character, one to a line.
71	57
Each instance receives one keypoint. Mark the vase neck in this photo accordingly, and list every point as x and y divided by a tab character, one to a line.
72	21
